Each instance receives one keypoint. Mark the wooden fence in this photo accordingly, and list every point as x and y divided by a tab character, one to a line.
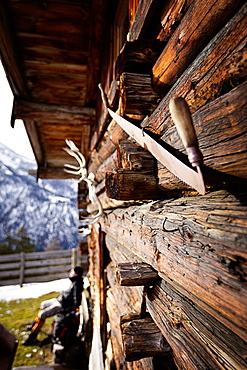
39	266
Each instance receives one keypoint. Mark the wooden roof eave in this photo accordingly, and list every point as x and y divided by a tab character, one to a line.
9	55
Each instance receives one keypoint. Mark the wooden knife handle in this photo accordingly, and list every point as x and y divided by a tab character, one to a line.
182	118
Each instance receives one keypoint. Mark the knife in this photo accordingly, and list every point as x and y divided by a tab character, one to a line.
183	121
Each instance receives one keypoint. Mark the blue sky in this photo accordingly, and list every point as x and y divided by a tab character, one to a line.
15	138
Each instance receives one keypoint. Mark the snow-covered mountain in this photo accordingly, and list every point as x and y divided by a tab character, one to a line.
46	208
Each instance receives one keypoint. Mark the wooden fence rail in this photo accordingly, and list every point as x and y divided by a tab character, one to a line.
38	266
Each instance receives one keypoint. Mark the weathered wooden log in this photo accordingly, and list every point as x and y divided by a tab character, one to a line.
137	96
217	70
201	22
198	339
133	156
205	75
171	17
130	302
225	164
142	338
130	274
185	324
184	236
124	184
141	25
138	56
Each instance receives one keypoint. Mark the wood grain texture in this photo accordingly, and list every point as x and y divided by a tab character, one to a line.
191	242
201	22
198	340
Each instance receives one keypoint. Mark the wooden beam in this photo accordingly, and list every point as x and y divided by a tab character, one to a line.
131	274
133	156
137	96
24	109
8	53
142	338
34	139
124	184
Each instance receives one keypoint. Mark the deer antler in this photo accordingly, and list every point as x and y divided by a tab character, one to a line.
81	171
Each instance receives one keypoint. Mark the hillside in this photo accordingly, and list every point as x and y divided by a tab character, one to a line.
46	208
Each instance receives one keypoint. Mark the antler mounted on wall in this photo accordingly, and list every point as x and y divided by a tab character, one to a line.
81	171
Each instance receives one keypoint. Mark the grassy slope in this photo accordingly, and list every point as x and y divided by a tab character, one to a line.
15	316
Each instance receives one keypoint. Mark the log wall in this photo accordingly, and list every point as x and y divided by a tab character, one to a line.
197	244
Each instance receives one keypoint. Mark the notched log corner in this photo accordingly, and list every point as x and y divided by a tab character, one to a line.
142	338
135	274
136	178
124	184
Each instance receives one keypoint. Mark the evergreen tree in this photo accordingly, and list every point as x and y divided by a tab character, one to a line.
16	242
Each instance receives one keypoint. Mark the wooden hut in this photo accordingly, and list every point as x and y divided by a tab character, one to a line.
167	265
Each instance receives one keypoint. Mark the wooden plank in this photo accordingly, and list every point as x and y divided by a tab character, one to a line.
48	254
9	258
33	41
52	262
33	136
129	303
9	282
65	94
10	266
57	27
9	55
64	10
200	23
198	339
22	267
58	68
99	19
184	236
45	278
37	111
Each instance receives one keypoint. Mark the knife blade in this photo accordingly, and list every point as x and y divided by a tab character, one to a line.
172	163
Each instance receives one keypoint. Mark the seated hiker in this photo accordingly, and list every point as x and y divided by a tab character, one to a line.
68	300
